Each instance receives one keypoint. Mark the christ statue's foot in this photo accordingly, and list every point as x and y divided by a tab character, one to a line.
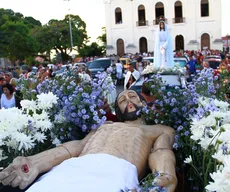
167	181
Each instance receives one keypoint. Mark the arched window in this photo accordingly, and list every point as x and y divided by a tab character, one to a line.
118	15
141	16
204	8
159	11
143	45
178	12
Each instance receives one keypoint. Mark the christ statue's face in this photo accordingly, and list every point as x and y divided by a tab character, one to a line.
129	103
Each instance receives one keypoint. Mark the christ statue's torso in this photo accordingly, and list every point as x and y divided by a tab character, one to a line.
125	141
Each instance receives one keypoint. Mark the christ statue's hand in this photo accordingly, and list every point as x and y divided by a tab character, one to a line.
22	172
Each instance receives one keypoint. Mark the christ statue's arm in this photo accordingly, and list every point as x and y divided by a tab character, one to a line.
162	159
24	170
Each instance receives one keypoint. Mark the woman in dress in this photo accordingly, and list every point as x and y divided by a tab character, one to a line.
163	52
7	98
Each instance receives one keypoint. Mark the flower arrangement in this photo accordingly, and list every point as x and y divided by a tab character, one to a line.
22	131
174	107
210	128
27	87
148	184
78	108
177	69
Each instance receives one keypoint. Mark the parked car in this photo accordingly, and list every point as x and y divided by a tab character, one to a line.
99	65
149	59
75	65
88	63
169	80
181	61
215	65
212	57
62	69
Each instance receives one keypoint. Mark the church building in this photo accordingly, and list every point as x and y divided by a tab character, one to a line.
131	25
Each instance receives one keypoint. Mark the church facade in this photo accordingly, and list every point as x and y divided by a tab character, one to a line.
131	24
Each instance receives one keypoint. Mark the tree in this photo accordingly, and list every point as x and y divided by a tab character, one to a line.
31	22
102	40
16	41
91	50
56	35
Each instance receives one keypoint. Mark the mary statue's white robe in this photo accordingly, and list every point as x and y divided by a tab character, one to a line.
163	51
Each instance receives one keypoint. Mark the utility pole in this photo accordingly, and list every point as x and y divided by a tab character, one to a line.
70	29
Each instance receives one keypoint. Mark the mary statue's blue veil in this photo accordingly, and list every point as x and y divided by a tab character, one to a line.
169	49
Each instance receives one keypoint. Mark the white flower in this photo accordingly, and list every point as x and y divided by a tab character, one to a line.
221	104
46	101
40	137
1	155
224	136
25	142
219	156
27	104
203	101
11	121
219	183
43	125
56	142
197	132
205	142
60	118
188	160
12	144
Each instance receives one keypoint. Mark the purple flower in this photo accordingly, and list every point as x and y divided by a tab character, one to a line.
180	128
186	133
83	111
175	146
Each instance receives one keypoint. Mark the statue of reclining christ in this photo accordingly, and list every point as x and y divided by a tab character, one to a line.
109	159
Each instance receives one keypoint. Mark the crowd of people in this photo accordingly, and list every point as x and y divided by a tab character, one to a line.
121	75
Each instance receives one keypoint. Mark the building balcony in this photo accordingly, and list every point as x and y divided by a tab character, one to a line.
156	22
179	20
142	23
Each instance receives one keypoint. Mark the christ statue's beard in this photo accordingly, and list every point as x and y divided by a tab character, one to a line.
131	116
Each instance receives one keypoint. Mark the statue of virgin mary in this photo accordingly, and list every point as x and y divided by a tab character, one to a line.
163	52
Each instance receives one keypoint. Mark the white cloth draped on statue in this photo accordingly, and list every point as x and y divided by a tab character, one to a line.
89	173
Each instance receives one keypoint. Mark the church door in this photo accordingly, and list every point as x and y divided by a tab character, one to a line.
120	47
179	42
205	41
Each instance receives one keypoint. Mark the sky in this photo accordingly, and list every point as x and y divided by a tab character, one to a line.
92	12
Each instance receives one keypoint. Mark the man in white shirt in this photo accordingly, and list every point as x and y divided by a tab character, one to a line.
119	72
131	77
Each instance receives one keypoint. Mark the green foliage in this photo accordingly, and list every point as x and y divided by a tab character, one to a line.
31	22
19	44
21	37
91	50
15	40
56	35
102	39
